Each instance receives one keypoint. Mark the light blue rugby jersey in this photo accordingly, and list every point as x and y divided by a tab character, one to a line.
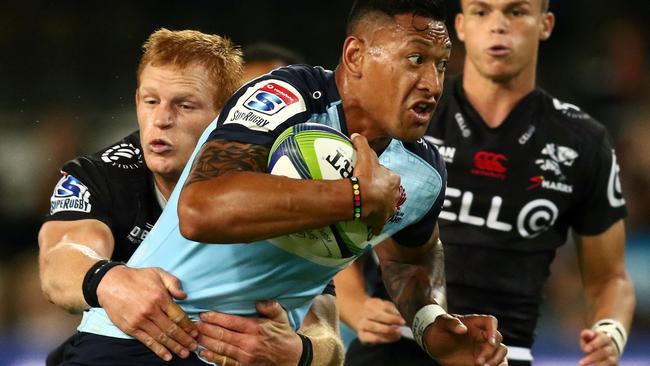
231	277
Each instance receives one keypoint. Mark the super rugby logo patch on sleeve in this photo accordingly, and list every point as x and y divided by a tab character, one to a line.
266	105
270	99
70	195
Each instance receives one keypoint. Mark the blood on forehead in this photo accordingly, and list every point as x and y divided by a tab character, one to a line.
434	30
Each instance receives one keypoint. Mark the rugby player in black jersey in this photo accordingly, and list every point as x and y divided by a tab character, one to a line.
523	168
106	203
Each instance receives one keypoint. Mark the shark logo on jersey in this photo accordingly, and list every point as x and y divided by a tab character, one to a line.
614	193
125	156
554	157
266	105
569	110
70	195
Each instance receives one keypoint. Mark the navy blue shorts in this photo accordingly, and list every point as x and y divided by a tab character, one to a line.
404	352
92	349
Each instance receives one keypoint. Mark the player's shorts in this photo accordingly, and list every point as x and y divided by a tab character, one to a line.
404	352
96	350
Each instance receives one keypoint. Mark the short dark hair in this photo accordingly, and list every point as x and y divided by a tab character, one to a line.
263	51
434	9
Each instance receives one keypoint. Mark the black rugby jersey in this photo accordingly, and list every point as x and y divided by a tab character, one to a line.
113	186
513	193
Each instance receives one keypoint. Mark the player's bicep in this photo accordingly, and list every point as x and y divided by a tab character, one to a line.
91	233
218	157
602	256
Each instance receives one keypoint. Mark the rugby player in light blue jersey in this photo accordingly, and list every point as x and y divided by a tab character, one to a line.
216	232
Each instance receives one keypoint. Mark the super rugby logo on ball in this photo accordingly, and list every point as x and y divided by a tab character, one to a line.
315	151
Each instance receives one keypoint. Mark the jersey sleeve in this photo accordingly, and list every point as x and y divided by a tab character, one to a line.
81	193
602	203
419	233
262	109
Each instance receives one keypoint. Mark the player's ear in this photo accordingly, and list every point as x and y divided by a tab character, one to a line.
458	24
546	25
137	96
352	57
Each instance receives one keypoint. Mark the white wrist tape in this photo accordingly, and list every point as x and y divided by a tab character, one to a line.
423	318
615	330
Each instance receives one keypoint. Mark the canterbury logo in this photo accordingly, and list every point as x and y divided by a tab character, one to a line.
490	161
489	164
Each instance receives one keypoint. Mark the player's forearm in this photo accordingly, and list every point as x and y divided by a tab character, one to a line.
221	210
414	285
611	299
350	294
62	270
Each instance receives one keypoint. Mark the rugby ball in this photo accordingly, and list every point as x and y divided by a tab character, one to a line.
316	151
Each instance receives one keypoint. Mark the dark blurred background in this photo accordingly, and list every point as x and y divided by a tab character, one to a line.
67	82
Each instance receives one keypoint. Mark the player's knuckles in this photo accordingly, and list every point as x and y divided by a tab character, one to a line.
178	334
210	317
149	342
214	345
146	312
211	330
499	355
162	338
498	337
173	330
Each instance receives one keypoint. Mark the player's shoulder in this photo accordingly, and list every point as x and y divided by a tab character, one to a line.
286	96
427	152
315	84
569	118
119	159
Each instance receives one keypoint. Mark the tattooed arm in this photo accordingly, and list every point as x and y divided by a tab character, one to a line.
414	278
229	198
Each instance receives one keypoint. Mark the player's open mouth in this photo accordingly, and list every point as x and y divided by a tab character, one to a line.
423	110
159	146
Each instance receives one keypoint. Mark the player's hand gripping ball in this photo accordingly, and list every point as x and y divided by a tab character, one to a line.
315	151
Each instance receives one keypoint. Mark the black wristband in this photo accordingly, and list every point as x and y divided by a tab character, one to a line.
307	355
92	279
